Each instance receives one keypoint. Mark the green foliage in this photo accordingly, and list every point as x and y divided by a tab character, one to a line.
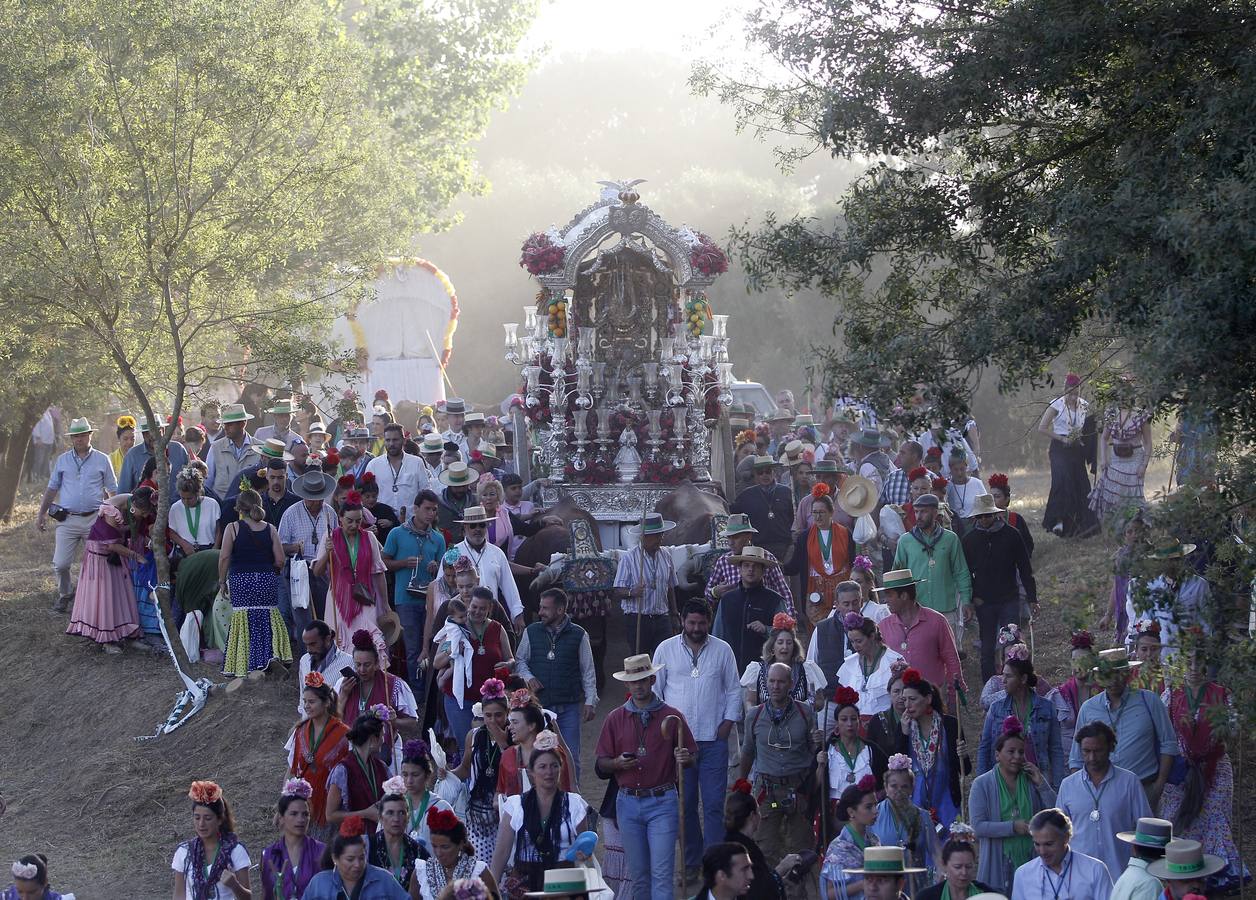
1040	175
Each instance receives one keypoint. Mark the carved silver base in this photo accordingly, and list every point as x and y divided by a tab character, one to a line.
614	502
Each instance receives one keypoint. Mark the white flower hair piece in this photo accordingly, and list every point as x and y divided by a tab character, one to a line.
298	787
899	762
27	871
1017	651
395	785
545	740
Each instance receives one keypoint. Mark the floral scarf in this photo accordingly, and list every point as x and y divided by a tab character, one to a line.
202	883
926	752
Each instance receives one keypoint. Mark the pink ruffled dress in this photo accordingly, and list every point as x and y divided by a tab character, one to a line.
104	604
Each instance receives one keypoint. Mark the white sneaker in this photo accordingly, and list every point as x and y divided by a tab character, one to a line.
1059	528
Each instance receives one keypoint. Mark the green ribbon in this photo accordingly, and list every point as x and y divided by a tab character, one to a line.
1151	839
1185	868
880	865
557	887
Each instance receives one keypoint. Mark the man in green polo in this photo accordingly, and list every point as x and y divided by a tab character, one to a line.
936	559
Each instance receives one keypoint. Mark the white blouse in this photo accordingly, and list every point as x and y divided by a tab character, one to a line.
1068	421
815	676
206	523
840	774
577	810
874	691
181	863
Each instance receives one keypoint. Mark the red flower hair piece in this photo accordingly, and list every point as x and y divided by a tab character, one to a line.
441	819
1012	726
934	451
362	640
204	792
367	478
820	489
314	679
381	394
520	698
867	784
332	458
939	483
845	695
1082	639
918	472
782	622
346	482
742	786
911	676
999	480
352	826
353	500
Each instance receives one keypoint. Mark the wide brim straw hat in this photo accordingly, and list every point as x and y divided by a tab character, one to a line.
884	860
857	496
753	554
637	667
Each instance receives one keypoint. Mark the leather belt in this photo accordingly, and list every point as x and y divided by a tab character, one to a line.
90	512
659	791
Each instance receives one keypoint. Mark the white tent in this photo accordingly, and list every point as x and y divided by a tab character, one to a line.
404	334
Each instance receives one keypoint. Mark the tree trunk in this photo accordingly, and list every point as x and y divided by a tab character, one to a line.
18	439
165	596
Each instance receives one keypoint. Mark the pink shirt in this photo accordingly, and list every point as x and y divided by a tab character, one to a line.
928	646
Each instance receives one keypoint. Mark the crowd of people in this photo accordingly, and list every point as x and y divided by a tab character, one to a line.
795	723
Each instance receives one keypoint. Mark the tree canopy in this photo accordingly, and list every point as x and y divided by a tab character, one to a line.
1040	174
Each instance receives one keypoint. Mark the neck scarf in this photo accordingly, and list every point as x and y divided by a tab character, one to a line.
1018	848
926	752
546	835
644	713
346	573
203	882
928	544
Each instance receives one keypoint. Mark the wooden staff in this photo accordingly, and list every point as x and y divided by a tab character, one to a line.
824	777
680	781
640	575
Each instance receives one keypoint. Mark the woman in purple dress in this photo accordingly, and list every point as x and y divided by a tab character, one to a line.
290	862
30	879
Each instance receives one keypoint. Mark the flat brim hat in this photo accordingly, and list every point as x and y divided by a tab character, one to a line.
80	426
569	882
763	462
457	474
826	467
739	523
359	434
162	422
792	454
316	427
234	412
1185	860
273	448
883	861
487	449
857	496
844	417
753	554
654	524
804	421
781	415
988	895
432	443
390	627
869	437
1155	834
636	668
283	408
474	515
1172	551
984	506
1116	659
455	405
314	485
896	579
473	418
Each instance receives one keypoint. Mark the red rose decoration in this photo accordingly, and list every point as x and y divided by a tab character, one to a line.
911	676
999	480
314	680
782	622
345	481
353	826
441	819
742	786
867	783
820	490
918	472
845	696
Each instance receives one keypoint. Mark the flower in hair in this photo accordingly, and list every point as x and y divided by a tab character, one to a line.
783	622
918	472
367	478
415	748
911	676
742	786
545	740
962	831
382	712
451	556
1009	634
934	451
867	783
1017	651
520	698
332	459
204	792
898	667
1082	640
899	762
394	785
469	889
441	819
352	826
362	640
820	489
1148	627
314	680
939	483
999	480
1012	725
852	620
297	787
845	695
126	421
345	481
493	689
25	871
353	499
862	563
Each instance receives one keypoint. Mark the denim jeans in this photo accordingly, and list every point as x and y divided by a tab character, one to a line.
569	725
412	617
648	828
710	772
459	719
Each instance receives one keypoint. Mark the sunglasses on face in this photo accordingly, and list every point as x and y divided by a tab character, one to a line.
480	527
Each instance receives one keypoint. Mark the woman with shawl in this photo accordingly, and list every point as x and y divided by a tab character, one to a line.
358	592
824	552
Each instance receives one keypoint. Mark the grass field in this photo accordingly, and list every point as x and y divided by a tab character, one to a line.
108	809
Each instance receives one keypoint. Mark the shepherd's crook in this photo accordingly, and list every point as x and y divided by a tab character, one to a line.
680	788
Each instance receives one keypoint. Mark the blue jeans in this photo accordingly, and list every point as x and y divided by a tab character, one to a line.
412	617
710	772
647	826
459	719
569	725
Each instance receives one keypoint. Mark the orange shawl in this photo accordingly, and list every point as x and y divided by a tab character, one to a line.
817	581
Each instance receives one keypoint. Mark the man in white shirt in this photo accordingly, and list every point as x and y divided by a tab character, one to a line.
491	562
431	453
322	656
645	585
1058	872
455	417
399	475
281	414
963	490
699	678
